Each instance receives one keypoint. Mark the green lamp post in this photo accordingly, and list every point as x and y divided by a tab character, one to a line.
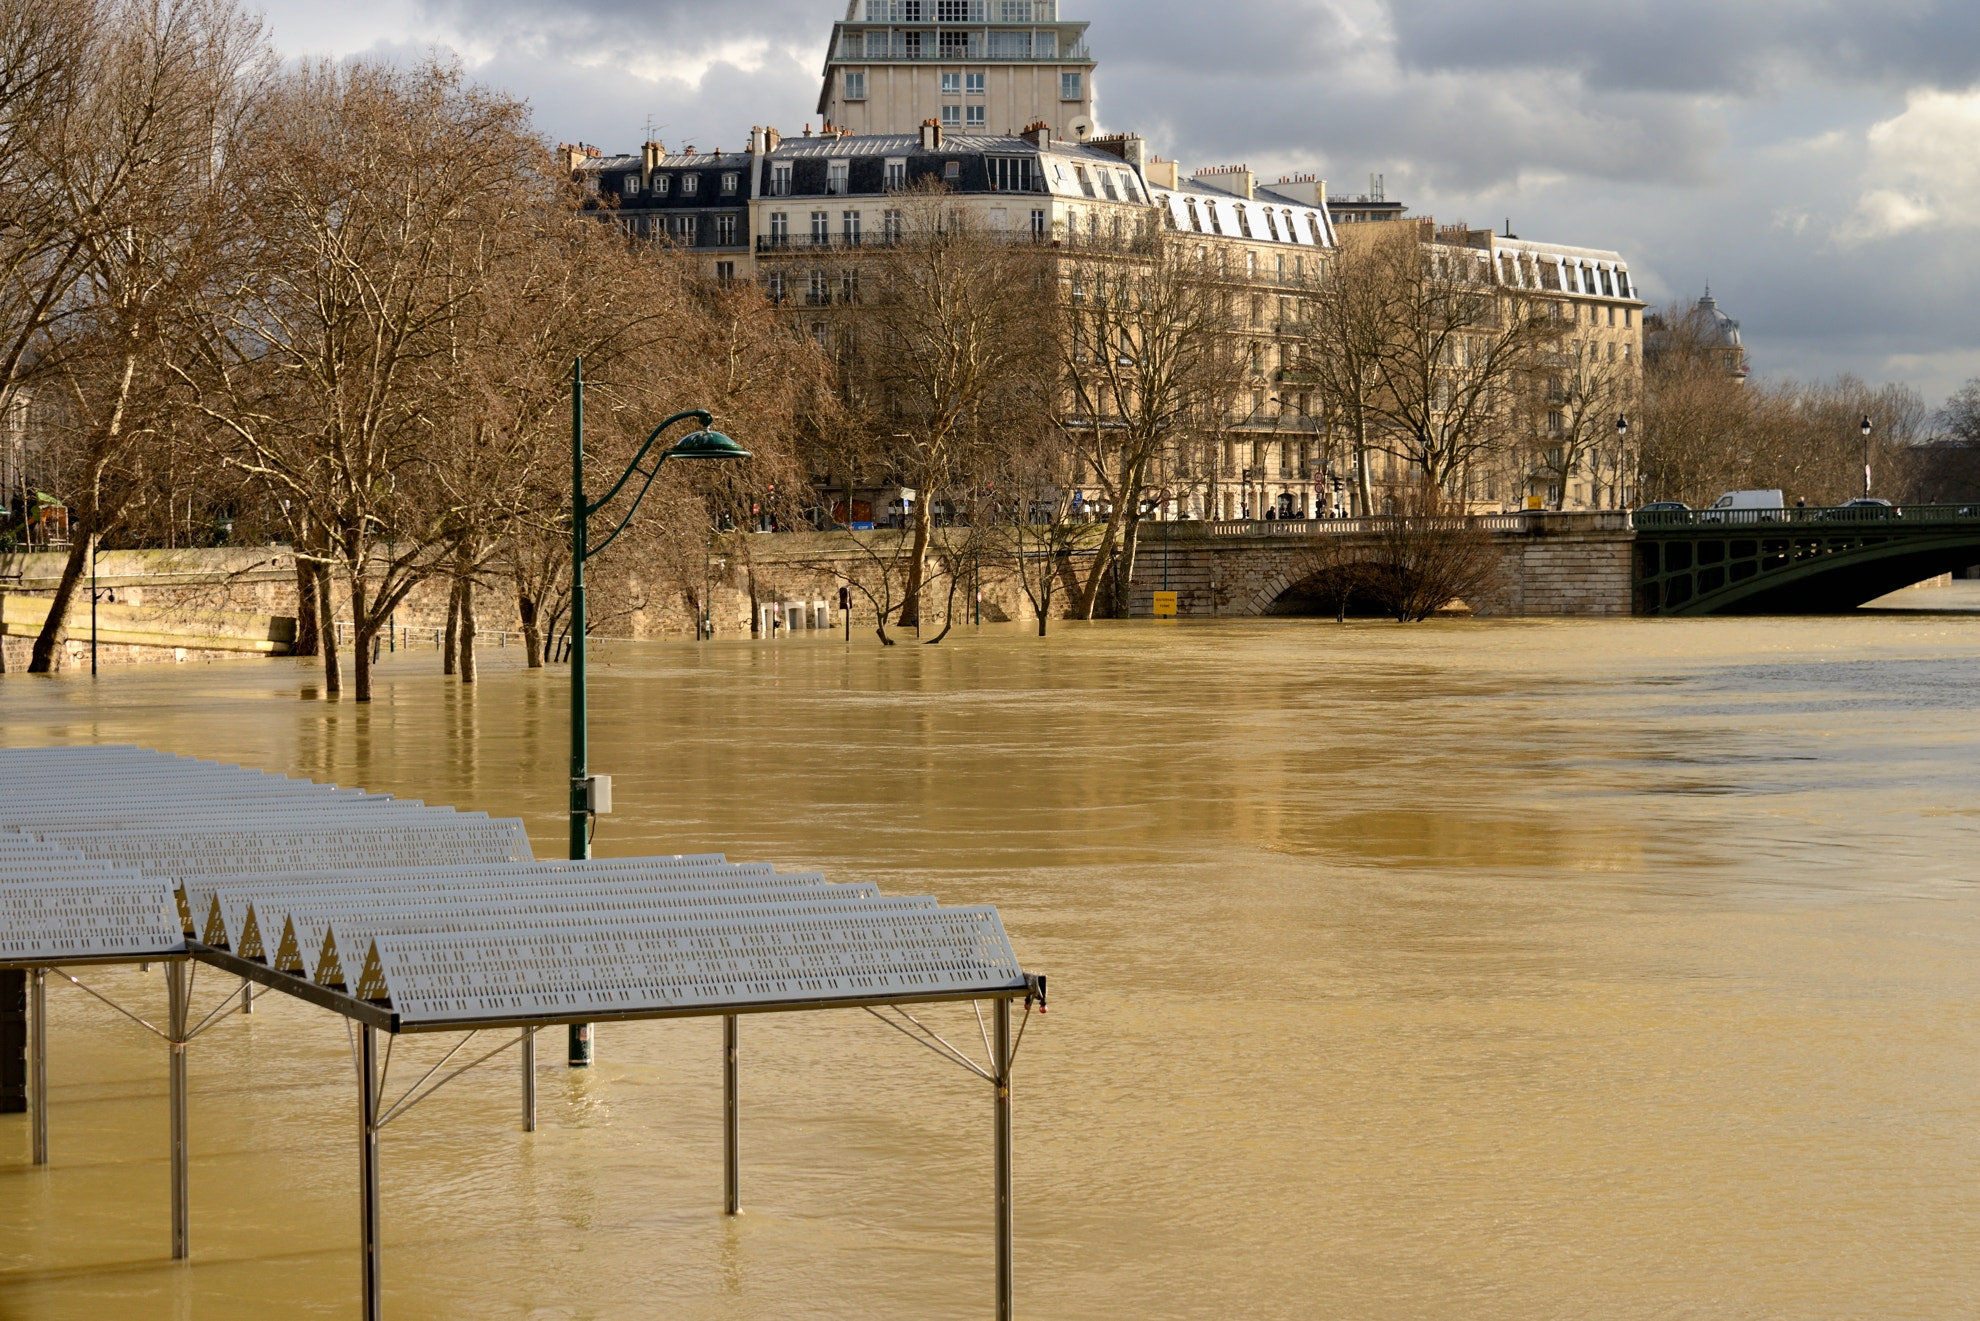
702	444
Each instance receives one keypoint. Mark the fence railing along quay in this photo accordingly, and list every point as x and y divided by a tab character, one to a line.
1899	517
1529	522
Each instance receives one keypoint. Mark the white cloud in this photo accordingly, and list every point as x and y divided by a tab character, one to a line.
1923	171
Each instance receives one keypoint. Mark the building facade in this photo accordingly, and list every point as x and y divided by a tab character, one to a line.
968	66
993	100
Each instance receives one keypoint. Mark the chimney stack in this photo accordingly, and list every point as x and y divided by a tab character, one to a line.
1038	133
649	157
931	135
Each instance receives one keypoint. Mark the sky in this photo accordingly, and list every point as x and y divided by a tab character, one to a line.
1816	161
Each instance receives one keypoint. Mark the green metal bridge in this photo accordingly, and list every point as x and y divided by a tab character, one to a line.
1794	561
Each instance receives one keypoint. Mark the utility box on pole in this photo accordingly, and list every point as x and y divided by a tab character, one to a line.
13	1042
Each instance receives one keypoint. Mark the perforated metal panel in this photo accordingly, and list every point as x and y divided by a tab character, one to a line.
87	917
334	943
444	914
224	919
438	978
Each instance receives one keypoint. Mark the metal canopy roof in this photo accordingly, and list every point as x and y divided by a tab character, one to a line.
411	917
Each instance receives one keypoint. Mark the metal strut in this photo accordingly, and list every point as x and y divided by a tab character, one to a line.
38	1061
369	1085
731	1121
178	997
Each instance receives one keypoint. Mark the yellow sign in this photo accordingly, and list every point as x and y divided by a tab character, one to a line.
1165	605
1535	502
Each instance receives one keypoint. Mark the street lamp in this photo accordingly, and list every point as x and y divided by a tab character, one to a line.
1865	429
1622	439
702	444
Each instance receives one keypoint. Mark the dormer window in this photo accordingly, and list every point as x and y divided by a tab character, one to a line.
661	183
632	186
951	171
690	185
729	184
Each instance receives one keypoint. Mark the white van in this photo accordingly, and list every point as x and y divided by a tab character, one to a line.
1758	506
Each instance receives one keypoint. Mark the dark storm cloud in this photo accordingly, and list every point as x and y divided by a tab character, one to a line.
1676	131
1697	46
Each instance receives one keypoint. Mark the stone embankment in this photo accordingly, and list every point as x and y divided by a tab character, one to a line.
188	605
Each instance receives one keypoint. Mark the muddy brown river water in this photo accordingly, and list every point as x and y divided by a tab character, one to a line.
1469	969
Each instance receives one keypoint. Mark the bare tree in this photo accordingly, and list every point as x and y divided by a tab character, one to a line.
327	363
958	346
1457	350
1148	357
1578	393
140	159
1428	555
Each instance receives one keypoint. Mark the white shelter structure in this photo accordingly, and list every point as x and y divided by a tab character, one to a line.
404	918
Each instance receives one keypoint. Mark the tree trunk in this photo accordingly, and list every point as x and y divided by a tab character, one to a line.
326	613
467	630
308	636
362	631
451	647
1124	560
43	659
532	631
910	615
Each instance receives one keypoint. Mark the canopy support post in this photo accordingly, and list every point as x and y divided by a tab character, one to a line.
177	1011
529	1081
1001	1015
368	1088
247	996
731	1120
38	1062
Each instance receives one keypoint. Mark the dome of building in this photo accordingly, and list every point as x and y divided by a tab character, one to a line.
1716	324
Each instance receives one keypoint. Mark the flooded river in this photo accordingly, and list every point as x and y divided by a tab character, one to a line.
1507	969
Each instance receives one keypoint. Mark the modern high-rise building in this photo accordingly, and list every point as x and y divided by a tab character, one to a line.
971	66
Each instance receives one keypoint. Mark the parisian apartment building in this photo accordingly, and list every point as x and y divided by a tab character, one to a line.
995	99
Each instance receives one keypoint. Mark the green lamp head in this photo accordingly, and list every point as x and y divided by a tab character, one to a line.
707	445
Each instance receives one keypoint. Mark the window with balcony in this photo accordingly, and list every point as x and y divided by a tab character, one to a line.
856	86
1070	85
835	178
1009	174
1085	183
957	45
780	180
849	228
687	230
725	272
1010	45
725	231
849	285
780	229
819	292
1039	226
1107	185
896	174
773	285
890	225
821	227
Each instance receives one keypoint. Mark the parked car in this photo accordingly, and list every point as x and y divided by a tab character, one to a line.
1664	507
1864	507
1746	507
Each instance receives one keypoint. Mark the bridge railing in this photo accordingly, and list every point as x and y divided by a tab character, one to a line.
1898	516
1531	522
